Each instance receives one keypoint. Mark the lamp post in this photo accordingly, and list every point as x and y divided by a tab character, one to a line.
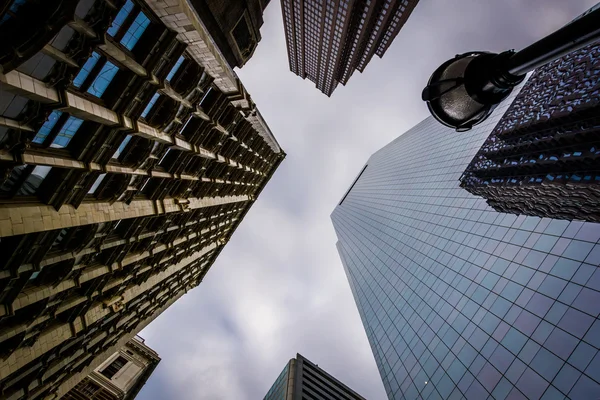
464	91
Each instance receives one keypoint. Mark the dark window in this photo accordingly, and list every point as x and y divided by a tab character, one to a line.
89	388
243	37
114	367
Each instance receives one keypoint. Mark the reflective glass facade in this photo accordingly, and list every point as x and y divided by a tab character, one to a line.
458	300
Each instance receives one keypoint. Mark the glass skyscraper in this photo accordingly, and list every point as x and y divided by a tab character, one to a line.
458	300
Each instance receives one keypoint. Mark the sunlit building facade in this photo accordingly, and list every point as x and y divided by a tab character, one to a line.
121	376
458	300
300	379
328	40
543	157
130	152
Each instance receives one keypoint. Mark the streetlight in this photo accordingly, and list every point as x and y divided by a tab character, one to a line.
464	91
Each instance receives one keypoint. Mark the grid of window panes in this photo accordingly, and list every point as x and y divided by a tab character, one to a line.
279	389
460	301
393	29
286	10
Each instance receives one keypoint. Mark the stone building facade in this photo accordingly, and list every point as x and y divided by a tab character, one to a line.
327	41
121	376
543	157
234	26
130	152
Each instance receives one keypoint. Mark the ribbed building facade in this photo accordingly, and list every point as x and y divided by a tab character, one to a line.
543	157
327	41
130	152
458	300
300	379
121	376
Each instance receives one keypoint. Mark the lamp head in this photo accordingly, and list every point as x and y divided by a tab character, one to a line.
464	91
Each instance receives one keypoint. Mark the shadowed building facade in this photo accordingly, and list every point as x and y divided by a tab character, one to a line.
121	376
328	40
130	152
303	380
458	300
543	157
234	26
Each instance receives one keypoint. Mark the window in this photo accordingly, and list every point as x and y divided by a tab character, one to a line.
243	37
47	127
122	147
106	75
135	31
67	132
86	69
96	184
114	367
175	68
120	18
150	105
89	388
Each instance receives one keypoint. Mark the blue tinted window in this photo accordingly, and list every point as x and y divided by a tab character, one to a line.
585	388
175	68
547	364
120	18
135	31
86	69
47	127
96	183
150	105
122	146
105	76
67	132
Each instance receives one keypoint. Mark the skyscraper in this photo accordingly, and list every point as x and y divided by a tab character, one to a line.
130	153
301	379
543	157
328	40
121	376
459	300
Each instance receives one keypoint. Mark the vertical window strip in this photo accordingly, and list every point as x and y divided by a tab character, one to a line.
97	183
175	68
135	31
120	18
47	127
122	147
67	132
86	69
150	105
106	75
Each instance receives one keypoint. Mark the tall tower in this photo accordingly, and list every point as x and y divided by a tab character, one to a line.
328	40
457	299
130	152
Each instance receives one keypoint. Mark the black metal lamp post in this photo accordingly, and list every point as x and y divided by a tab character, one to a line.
464	91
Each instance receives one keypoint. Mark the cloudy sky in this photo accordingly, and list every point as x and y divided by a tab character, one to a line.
278	287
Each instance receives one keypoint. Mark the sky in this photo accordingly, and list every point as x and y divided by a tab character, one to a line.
278	288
